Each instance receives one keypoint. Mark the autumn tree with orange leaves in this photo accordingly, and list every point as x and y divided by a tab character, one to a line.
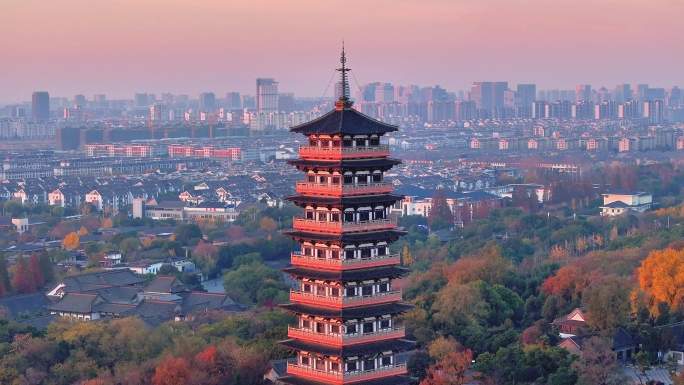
172	371
661	278
72	241
450	370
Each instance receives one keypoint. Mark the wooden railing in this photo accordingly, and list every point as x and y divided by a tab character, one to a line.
343	152
345	264
345	339
338	302
344	378
304	224
308	188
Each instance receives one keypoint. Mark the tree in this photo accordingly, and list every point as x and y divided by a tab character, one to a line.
661	277
22	279
268	224
71	241
607	303
172	371
443	346
406	257
5	285
187	233
36	271
440	215
487	265
254	282
82	231
597	364
451	370
13	208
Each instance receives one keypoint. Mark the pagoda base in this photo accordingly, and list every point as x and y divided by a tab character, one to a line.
395	380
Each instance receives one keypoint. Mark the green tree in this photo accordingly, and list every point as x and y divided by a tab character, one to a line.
188	233
254	283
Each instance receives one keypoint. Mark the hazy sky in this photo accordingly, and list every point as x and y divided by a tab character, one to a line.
119	47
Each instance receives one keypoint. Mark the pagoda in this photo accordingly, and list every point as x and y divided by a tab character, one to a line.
345	300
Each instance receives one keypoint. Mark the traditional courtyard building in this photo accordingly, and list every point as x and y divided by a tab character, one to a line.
345	299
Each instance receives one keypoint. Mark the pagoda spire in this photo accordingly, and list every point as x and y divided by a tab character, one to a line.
344	101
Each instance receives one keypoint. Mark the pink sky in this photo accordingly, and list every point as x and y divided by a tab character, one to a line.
119	47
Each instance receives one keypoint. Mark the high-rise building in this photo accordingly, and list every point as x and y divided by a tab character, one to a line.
286	102
40	106
641	91
142	100
80	101
207	102
346	305
623	93
489	98
157	112
233	101
583	93
266	95
525	96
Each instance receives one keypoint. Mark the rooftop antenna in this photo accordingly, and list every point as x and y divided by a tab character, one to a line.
344	101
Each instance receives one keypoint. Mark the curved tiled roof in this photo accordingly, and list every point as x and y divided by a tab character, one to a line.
346	121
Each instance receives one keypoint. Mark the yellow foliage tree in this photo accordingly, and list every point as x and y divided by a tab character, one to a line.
661	277
82	231
406	257
107	223
72	241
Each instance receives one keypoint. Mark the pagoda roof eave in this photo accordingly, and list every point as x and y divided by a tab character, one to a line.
350	313
395	345
348	275
370	236
300	199
346	121
346	164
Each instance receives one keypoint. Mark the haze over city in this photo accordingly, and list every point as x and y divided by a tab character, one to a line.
72	47
359	192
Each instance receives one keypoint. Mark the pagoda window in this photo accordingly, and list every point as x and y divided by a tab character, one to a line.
323	179
306	288
313	142
352	328
379	214
335	292
335	329
305	360
320	364
366	291
335	366
369	364
322	216
365	253
352	366
309	214
382	250
349	217
320	327
336	142
348	179
320	253
374	141
349	254
368	327
336	180
377	177
384	324
347	143
306	324
335	217
364	216
334	254
320	290
386	360
362	179
350	291
311	178
325	143
383	287
360	142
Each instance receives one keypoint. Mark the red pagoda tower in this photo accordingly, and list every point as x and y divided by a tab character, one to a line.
345	302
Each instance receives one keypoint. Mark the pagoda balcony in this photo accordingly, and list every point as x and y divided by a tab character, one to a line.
303	224
298	259
339	302
337	153
307	188
340	378
345	339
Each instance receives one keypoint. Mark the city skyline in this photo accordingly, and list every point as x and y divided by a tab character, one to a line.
78	49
